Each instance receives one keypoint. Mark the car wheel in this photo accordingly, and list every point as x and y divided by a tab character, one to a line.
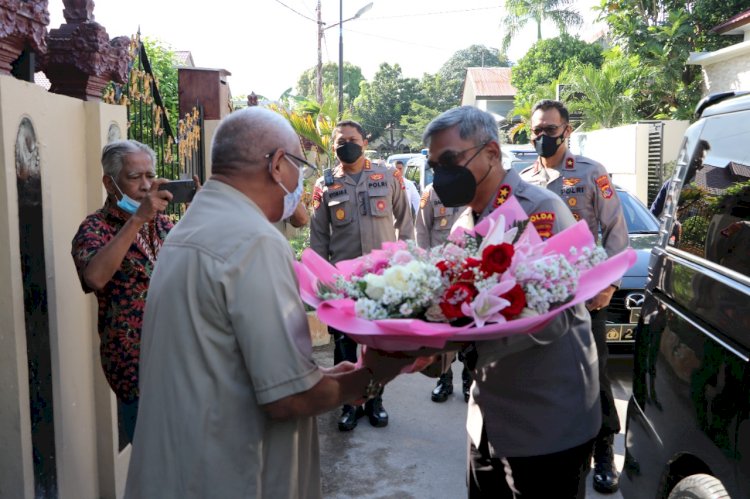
699	487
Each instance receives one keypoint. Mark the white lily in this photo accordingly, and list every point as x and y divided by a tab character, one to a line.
497	233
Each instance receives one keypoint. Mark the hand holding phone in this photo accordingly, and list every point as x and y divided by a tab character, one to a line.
182	190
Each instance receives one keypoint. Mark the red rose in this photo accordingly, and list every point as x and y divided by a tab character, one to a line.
444	267
496	258
467	274
517	299
454	297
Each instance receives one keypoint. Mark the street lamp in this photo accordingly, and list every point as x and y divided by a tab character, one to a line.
321	29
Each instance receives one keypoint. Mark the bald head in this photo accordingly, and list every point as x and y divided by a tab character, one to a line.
245	136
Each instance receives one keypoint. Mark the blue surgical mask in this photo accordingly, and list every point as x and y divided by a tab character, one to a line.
291	199
125	203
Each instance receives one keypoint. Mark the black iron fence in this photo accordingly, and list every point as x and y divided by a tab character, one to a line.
180	152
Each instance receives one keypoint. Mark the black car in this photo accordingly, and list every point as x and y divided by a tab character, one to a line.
688	422
625	307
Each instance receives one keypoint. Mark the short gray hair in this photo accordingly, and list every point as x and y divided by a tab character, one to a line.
114	154
472	123
245	136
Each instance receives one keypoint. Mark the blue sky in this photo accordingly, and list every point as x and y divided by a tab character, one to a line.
266	44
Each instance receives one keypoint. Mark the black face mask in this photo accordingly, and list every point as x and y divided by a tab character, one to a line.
349	152
547	146
455	185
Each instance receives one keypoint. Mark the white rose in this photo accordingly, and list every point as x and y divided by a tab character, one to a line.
397	277
375	286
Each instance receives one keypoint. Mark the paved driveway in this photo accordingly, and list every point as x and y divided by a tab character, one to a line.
421	454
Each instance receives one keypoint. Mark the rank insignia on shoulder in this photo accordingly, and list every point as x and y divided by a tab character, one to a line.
368	165
605	186
503	194
570	164
543	222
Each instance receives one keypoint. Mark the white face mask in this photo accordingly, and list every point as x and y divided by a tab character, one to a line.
291	199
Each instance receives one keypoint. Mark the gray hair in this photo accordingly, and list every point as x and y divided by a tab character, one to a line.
244	137
472	123
114	154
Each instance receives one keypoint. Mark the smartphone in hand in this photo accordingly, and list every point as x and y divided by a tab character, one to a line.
182	190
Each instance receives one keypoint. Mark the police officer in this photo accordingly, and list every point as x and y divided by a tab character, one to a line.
534	409
586	188
357	207
434	222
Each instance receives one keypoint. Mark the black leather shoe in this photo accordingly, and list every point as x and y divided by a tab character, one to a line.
467	389
443	389
606	478
349	417
376	412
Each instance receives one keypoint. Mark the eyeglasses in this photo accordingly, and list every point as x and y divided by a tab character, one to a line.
308	169
449	159
546	130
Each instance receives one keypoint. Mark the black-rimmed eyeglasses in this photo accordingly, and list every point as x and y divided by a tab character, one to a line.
308	169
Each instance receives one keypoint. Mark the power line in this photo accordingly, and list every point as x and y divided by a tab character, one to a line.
439	13
296	11
405	42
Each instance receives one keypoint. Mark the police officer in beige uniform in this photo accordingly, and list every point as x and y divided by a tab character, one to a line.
534	408
434	222
357	207
585	187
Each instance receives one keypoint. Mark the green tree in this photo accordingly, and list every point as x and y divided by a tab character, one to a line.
382	103
164	65
306	84
520	115
604	97
520	12
453	71
416	121
663	33
546	60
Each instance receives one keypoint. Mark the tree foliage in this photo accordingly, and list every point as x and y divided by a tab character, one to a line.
416	121
306	84
383	101
663	33
520	12
546	60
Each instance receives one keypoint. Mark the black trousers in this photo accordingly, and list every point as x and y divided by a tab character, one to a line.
610	420
561	475
344	348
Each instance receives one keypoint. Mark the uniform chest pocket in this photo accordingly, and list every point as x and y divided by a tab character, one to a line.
340	210
440	216
380	205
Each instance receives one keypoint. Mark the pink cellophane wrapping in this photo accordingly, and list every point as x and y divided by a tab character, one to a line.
412	334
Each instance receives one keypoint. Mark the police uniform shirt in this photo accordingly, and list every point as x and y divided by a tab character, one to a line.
584	185
434	220
535	394
353	217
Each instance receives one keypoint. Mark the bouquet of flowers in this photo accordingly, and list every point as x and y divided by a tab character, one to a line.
496	280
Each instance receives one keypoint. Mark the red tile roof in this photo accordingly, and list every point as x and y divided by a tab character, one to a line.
490	82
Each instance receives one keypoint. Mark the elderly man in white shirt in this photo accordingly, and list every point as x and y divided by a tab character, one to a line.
411	189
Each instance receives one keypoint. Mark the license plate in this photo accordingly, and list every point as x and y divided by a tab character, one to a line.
635	313
620	333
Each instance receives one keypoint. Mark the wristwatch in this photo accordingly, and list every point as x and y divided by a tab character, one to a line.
373	387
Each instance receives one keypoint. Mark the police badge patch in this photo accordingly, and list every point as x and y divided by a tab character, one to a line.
543	222
604	186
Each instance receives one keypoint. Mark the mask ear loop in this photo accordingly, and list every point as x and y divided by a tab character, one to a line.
488	169
117	187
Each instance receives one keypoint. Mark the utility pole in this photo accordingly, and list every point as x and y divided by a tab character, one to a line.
319	73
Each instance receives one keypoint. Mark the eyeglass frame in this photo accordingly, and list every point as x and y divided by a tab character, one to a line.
308	169
547	129
436	164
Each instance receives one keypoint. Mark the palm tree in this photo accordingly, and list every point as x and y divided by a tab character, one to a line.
520	115
520	12
605	96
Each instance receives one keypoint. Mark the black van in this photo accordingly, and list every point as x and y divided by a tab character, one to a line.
688	429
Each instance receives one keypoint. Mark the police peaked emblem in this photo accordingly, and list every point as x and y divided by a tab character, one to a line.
634	300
